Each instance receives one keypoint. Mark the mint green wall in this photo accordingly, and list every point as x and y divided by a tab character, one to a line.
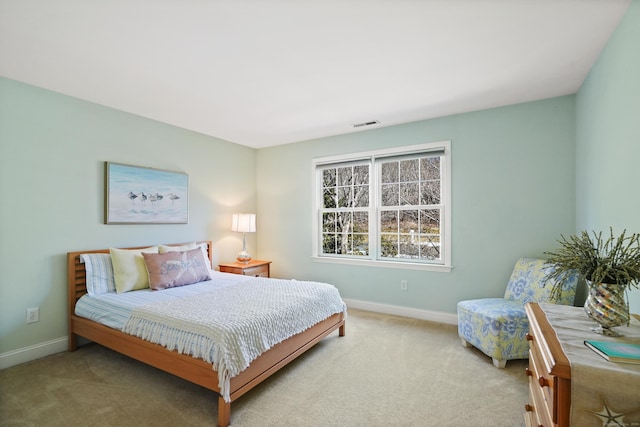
513	194
52	154
608	137
522	175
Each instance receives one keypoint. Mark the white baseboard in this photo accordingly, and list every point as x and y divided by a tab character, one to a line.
433	316
33	352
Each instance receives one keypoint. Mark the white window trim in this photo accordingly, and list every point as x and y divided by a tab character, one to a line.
445	146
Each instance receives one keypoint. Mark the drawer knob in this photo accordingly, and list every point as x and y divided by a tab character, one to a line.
528	408
528	372
543	382
529	337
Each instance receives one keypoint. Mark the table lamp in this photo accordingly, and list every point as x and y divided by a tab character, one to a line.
244	223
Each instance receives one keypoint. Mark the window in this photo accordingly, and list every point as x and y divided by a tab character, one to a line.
387	207
345	209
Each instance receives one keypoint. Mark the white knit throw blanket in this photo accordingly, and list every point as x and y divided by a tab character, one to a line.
230	327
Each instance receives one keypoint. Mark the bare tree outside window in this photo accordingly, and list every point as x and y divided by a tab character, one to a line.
410	215
345	220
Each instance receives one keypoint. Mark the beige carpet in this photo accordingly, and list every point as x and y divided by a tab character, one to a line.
387	371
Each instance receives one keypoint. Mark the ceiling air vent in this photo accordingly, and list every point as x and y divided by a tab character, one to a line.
359	125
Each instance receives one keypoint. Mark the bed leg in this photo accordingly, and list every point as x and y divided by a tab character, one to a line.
224	412
341	330
73	342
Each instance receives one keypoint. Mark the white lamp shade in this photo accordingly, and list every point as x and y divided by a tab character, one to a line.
243	223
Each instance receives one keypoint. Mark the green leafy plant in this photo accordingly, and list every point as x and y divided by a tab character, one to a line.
612	260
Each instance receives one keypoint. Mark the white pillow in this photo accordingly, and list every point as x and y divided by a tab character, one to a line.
129	269
205	254
99	273
203	246
163	249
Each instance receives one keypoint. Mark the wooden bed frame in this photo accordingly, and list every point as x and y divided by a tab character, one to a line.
194	370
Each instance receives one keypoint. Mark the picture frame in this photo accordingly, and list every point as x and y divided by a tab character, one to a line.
144	195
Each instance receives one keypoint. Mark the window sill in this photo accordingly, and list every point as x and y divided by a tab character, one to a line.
384	264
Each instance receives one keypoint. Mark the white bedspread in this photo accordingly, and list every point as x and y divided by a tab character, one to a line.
113	310
230	327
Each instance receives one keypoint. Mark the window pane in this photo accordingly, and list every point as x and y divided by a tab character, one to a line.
329	178
346	187
360	222
408	248
345	175
408	221
360	244
430	247
347	244
389	172
409	170
344	222
431	253
329	197
328	222
430	221
409	194
390	195
430	193
350	236
361	175
339	247
430	234
429	168
344	197
361	196
329	243
389	245
389	221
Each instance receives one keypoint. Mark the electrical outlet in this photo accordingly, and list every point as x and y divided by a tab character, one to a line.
33	315
403	285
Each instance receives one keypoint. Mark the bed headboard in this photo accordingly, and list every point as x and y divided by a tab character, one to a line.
76	275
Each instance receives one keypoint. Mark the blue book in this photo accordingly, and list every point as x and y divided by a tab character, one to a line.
613	351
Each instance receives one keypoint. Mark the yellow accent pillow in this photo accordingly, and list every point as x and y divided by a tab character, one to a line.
129	269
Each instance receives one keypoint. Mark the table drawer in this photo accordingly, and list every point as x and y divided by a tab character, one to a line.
538	410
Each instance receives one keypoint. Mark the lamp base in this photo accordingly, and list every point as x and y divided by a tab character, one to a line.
244	257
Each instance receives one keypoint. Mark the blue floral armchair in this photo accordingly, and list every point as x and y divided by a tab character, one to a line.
498	326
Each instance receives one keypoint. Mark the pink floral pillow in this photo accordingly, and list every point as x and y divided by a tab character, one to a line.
171	269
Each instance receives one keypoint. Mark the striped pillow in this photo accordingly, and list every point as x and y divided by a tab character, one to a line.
100	279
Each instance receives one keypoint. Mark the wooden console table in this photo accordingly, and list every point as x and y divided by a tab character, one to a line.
549	374
570	384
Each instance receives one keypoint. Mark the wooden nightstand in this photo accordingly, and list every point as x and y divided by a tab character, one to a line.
254	268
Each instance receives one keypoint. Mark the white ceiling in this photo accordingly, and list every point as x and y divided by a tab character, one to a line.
269	72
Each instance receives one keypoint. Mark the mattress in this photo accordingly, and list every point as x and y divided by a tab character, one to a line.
113	310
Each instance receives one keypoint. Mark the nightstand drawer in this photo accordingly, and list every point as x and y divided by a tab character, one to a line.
259	271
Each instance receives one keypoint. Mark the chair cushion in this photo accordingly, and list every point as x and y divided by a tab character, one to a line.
496	326
528	283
